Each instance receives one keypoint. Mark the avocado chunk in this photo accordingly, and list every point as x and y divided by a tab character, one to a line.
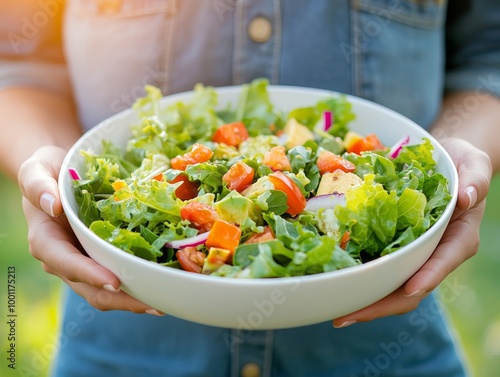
258	188
235	208
338	181
297	133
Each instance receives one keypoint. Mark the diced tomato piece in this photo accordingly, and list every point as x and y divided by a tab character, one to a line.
350	138
295	199
182	162
199	153
328	162
158	177
201	215
277	159
190	259
239	176
345	240
224	235
231	134
266	235
368	143
188	190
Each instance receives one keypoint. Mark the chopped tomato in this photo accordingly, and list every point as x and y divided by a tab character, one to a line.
239	176
182	162
224	235
295	199
328	162
190	259
350	138
188	190
201	153
368	143
201	215
158	177
198	154
231	134
266	235
276	159
345	240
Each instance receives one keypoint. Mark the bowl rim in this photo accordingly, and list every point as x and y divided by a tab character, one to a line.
64	180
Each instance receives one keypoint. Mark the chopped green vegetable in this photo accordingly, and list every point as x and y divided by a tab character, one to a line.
126	198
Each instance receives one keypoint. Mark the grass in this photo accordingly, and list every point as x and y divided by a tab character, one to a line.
473	306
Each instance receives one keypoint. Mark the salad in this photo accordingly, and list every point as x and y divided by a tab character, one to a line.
249	191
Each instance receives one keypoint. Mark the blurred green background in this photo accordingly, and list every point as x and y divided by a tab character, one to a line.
473	304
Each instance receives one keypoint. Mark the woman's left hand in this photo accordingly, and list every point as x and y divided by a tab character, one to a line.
459	242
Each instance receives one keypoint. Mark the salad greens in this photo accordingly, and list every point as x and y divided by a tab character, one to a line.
249	191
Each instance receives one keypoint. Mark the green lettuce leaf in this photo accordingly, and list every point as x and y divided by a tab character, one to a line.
209	174
160	197
340	107
256	110
411	211
174	129
420	152
303	161
131	242
370	214
262	263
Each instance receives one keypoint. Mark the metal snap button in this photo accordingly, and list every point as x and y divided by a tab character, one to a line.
260	30
250	370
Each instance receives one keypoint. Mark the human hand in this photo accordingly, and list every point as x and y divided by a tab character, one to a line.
460	240
52	241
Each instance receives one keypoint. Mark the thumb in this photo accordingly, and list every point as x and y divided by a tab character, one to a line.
474	172
38	179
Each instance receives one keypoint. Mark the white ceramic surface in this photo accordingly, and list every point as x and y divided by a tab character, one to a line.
265	303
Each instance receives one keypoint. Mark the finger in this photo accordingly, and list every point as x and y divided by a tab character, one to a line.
474	172
52	244
395	303
459	242
104	300
38	179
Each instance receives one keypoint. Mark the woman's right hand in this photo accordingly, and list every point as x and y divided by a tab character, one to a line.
52	241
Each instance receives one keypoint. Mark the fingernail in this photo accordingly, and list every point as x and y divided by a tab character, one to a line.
110	288
416	293
472	194
47	203
344	324
154	312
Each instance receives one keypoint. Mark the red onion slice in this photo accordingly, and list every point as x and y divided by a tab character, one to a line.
316	203
328	120
74	174
199	239
396	148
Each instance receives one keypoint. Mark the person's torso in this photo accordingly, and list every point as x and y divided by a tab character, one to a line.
389	51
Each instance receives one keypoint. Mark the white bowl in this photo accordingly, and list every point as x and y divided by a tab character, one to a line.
262	303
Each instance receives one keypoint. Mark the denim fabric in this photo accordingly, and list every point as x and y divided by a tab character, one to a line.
122	344
388	51
391	52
